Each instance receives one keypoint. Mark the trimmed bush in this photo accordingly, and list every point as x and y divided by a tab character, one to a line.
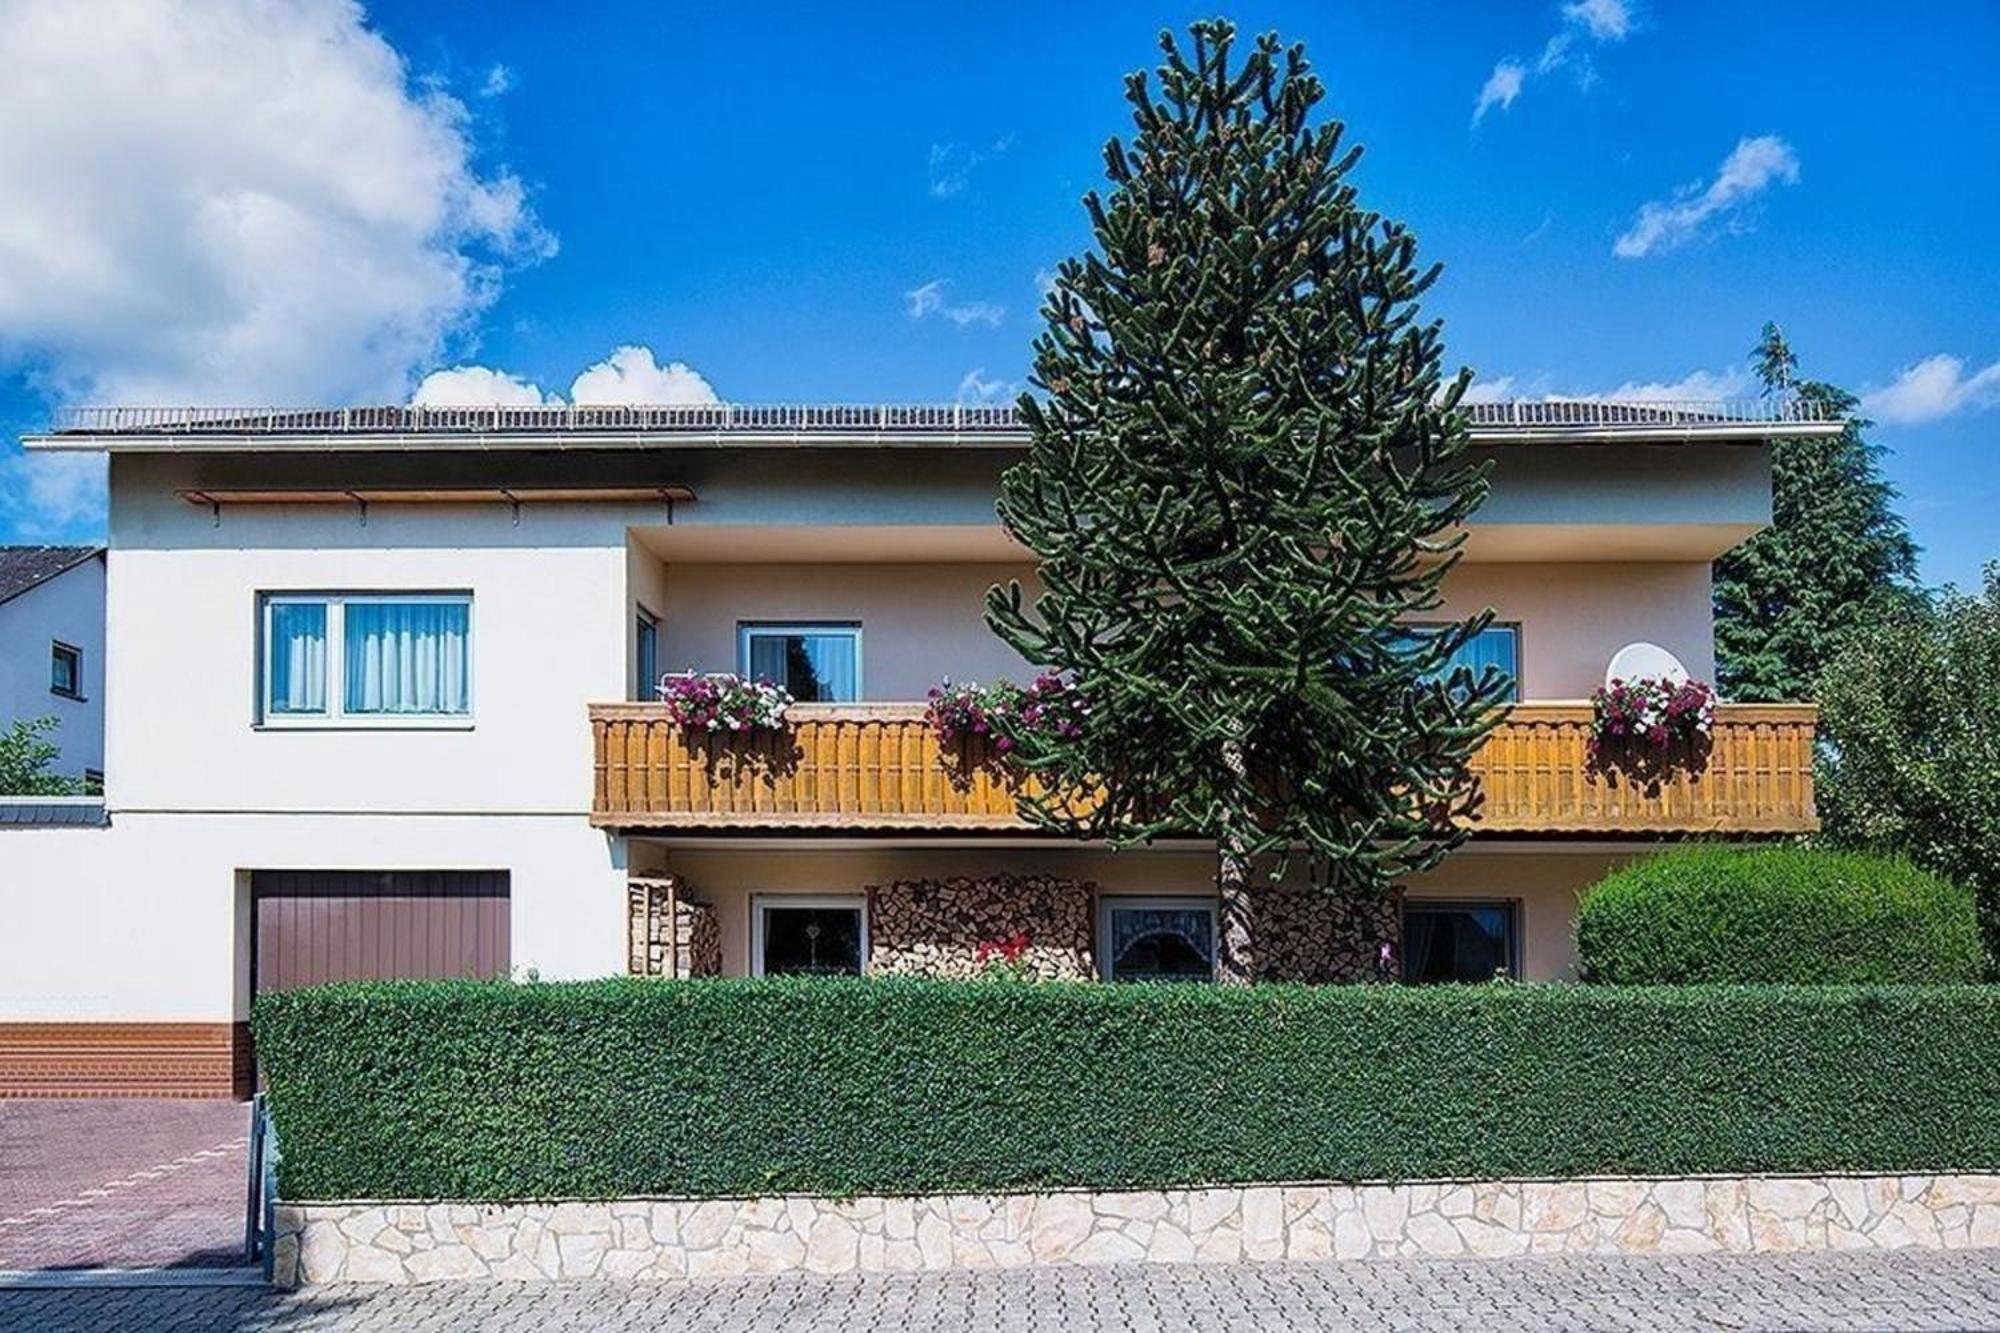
1780	915
468	1090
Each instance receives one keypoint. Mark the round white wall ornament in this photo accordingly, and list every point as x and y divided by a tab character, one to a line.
1636	661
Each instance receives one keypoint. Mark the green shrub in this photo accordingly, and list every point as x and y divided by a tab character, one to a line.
471	1090
1782	915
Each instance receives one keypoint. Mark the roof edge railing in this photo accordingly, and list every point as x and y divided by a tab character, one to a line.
806	418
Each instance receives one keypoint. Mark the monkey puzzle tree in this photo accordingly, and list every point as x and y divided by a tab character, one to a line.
1244	470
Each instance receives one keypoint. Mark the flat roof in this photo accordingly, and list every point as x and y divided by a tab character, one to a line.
641	426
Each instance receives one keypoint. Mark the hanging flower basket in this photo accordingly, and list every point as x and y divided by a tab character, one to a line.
723	702
1651	714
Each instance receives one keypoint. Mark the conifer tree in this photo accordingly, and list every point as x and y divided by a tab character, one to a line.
1835	559
1244	469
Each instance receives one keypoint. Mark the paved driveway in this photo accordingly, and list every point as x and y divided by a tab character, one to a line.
1820	1292
122	1184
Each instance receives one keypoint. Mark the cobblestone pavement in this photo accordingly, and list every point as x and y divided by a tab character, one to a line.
125	1184
1908	1290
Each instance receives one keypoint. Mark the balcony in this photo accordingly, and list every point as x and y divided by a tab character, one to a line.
877	767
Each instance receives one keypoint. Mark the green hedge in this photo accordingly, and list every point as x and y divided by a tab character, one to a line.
1777	915
470	1090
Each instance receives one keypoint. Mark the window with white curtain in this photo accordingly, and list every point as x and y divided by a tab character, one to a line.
1497	646
817	663
366	657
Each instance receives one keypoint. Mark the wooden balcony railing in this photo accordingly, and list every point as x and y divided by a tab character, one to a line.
877	766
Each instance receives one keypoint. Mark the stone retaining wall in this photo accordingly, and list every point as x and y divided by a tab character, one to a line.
403	1243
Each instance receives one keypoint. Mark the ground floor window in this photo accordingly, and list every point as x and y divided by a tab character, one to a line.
811	937
1459	940
1157	939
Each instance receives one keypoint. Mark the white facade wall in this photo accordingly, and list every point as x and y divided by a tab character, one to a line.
149	919
69	608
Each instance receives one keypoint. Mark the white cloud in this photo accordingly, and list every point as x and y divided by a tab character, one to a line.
1606	20
1583	22
477	386
1503	85
499	81
1752	167
1697	386
976	388
236	200
929	299
1933	388
52	497
630	375
1490	391
952	165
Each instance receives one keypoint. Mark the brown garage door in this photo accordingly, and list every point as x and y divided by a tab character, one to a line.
346	925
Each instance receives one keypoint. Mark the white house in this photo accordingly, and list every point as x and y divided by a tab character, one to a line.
52	649
380	706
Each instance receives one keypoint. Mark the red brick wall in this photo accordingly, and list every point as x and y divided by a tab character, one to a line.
125	1060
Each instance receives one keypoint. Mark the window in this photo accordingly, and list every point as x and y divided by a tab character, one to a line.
797	936
375	658
646	656
1459	941
1496	646
1157	939
66	671
817	663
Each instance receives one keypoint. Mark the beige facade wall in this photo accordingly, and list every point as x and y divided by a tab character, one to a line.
919	622
1543	883
923	622
1573	617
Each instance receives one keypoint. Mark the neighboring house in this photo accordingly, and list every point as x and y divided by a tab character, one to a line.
378	709
52	648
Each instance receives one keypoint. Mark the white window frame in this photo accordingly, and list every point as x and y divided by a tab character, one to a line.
761	902
334	719
746	629
1112	902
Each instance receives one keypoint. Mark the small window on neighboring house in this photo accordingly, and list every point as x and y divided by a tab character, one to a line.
1447	940
374	657
1497	646
1157	939
817	663
66	671
646	656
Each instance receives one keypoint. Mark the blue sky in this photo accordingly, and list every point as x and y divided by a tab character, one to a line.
763	192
